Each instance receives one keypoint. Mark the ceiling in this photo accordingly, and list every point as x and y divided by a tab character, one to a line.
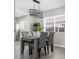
44	5
22	6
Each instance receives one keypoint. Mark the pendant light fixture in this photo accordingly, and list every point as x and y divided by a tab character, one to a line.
36	12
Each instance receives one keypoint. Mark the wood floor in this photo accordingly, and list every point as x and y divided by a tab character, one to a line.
59	53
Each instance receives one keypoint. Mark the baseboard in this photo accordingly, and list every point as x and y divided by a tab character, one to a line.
58	45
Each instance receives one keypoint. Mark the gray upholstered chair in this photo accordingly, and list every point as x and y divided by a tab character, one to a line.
18	35
42	42
50	40
25	41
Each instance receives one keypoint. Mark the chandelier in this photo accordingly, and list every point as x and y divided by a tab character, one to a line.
36	12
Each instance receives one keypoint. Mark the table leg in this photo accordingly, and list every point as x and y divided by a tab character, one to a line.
22	46
52	49
35	50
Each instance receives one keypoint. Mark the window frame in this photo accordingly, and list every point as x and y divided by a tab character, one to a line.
54	22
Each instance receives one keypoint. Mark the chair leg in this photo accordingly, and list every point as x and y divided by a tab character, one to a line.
22	48
52	49
29	50
45	50
39	49
48	48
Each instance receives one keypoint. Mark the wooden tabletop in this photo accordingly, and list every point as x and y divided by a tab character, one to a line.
30	38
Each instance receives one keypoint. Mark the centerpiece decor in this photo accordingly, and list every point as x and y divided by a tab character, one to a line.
37	28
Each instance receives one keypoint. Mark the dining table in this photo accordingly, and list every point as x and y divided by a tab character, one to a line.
35	45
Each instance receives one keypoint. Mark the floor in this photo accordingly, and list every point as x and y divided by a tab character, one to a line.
59	53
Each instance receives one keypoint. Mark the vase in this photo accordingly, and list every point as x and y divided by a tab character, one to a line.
36	33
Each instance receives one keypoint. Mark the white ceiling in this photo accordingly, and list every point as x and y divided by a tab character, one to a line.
44	5
22	6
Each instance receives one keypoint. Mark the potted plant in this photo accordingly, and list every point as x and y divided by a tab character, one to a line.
37	28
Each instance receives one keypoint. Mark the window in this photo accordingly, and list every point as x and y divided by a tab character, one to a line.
54	23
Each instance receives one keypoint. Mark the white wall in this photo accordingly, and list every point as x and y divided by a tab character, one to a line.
54	12
26	22
59	38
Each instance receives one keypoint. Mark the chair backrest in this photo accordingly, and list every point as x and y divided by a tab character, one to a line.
42	40
51	36
32	33
24	34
